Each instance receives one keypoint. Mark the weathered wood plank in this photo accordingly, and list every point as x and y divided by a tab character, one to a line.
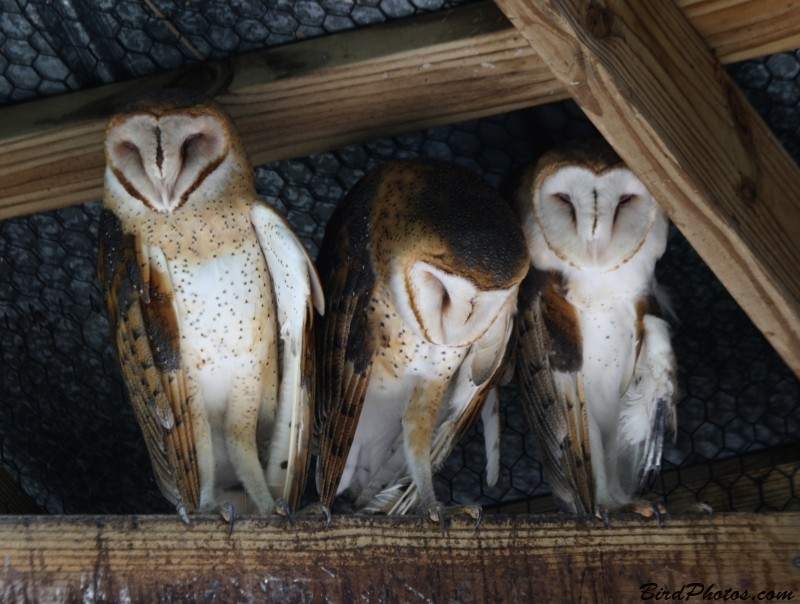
338	90
740	29
291	101
511	559
650	85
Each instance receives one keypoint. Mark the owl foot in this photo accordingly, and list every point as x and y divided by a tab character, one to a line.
647	509
317	509
282	509
642	507
226	511
181	508
438	511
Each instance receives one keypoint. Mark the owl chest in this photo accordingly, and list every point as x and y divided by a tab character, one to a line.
401	355
224	303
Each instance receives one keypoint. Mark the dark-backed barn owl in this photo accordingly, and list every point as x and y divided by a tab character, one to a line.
210	300
421	264
594	362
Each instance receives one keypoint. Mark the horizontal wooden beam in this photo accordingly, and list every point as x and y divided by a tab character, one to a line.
738	30
397	559
343	89
651	86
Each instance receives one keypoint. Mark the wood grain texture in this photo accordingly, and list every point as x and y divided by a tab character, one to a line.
651	86
291	101
738	30
399	559
337	90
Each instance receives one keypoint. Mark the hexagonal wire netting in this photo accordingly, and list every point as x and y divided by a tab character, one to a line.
67	434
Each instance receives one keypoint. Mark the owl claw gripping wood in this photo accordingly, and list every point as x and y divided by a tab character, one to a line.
201	279
594	364
421	265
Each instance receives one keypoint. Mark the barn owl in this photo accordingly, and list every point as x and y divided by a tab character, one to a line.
421	265
210	299
594	362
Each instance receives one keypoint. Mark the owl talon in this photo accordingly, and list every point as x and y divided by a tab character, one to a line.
700	507
602	515
226	511
316	509
657	513
435	513
181	508
282	509
478	517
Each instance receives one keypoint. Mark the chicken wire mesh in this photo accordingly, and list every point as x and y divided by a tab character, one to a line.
67	434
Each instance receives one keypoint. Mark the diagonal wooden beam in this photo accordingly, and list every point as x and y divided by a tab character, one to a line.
651	86
343	89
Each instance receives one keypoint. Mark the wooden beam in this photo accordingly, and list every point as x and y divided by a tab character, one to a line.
398	559
291	101
738	30
651	86
337	90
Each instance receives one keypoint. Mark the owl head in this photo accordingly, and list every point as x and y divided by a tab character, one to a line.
591	210
449	246
165	145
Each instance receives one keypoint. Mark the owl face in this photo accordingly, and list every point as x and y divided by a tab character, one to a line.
594	220
162	159
446	309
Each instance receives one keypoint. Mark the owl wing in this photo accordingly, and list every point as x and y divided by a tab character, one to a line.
135	283
471	394
649	407
548	374
345	350
297	292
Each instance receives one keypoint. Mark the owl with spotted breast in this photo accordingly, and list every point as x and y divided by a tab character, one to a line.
594	363
421	265
211	301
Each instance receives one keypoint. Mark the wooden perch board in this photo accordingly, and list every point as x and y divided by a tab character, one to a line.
651	86
398	559
337	90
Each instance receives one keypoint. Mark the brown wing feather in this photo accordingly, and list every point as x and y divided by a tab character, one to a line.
345	351
146	342
548	363
345	347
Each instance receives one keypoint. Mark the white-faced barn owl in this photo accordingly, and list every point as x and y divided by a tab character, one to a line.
210	300
421	265
594	362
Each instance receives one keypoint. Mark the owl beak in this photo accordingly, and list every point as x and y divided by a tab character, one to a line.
166	189
595	249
